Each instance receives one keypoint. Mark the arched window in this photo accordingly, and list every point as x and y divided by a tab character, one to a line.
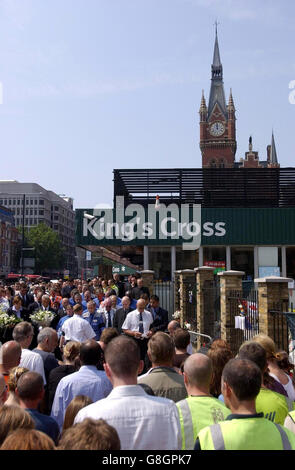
213	164
221	164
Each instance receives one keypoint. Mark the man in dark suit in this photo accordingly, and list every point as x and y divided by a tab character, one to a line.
63	310
37	304
121	314
26	298
160	315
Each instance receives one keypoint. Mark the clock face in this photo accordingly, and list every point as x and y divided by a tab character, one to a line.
217	128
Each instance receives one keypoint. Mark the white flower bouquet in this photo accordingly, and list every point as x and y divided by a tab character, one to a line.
176	315
8	321
42	318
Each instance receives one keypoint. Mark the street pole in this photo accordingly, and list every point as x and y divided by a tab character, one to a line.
23	236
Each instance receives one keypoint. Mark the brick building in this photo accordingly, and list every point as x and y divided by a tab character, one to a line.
218	142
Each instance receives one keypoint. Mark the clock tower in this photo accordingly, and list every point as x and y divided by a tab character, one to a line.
217	121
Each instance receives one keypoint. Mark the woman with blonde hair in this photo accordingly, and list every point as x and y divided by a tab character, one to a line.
12	418
274	369
70	365
14	375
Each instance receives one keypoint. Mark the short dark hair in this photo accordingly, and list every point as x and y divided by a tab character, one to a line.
254	352
30	385
155	297
108	334
181	338
123	356
77	308
161	348
244	377
90	353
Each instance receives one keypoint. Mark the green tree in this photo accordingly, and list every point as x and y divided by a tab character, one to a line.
49	252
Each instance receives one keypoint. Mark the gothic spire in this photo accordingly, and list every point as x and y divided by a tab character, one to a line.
217	91
273	152
216	55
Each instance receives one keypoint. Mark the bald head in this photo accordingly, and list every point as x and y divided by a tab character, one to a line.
172	326
198	371
10	355
140	305
126	302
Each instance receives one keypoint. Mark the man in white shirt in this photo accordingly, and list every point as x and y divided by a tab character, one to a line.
137	325
142	422
77	328
23	334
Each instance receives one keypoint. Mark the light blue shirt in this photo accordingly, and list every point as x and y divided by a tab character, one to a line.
87	381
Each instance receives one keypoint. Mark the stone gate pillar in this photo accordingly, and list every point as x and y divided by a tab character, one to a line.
148	280
229	281
273	294
204	275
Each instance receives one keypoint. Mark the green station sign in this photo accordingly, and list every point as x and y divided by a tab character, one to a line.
186	225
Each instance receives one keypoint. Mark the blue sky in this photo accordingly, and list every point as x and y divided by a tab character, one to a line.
93	85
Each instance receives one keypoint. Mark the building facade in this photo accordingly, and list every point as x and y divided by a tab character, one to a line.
8	242
31	205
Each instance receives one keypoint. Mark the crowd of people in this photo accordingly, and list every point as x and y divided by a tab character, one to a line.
110	372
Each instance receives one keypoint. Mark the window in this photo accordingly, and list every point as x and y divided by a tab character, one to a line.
56	217
1	201
27	202
35	212
56	208
31	211
41	212
5	202
41	202
18	202
9	202
14	202
213	164
36	202
27	211
31	202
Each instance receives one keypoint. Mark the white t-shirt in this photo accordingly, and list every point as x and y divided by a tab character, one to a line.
288	387
77	329
32	361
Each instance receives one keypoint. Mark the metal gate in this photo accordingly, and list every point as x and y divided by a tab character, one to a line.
244	317
190	303
165	291
279	325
